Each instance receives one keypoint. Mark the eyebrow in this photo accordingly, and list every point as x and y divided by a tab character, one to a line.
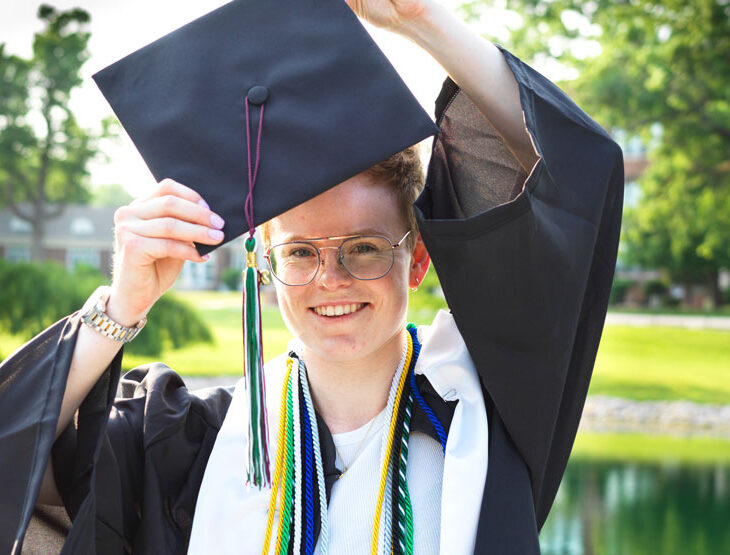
364	231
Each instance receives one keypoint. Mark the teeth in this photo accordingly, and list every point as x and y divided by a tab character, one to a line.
338	310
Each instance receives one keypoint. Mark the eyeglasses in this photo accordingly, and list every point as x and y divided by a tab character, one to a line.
364	257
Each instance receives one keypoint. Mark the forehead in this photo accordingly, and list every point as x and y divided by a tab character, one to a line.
358	205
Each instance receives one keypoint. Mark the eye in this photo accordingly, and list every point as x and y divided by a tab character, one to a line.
301	252
297	251
364	246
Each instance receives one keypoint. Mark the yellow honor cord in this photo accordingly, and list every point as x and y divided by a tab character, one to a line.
391	433
281	446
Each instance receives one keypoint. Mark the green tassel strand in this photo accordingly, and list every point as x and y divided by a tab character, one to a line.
258	452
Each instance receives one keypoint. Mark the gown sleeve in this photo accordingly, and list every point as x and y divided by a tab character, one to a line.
128	469
526	262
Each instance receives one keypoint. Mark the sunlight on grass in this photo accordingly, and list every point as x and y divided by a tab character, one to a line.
663	363
644	363
646	448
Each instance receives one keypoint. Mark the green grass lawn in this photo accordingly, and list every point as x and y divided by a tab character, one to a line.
650	449
663	363
633	362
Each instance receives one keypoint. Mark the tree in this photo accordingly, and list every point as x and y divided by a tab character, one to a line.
110	195
658	69
42	170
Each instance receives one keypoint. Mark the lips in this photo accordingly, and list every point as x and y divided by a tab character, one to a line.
334	310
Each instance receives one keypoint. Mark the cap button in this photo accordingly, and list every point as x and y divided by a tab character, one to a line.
257	94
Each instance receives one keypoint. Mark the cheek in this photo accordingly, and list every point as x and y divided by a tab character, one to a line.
286	299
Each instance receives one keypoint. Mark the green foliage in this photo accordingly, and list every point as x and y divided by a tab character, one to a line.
170	324
35	295
47	166
110	195
231	278
429	296
661	72
619	289
655	287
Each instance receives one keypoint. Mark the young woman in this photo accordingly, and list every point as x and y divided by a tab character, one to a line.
520	214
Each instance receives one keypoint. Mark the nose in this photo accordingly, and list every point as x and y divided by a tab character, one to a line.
332	275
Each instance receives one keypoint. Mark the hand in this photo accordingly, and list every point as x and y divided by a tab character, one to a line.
153	238
389	14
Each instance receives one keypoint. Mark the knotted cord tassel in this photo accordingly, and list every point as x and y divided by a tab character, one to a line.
258	449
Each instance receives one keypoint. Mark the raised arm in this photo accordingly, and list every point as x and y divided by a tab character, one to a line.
153	239
475	64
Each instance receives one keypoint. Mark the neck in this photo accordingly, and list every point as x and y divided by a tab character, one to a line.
348	394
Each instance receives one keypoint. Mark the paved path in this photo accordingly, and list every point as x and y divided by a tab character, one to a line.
676	418
199	382
669	320
612	414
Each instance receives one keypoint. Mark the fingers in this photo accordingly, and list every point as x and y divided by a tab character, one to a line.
156	248
165	223
172	187
172	211
172	228
178	208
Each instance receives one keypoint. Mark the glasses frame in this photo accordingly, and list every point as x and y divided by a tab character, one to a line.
344	238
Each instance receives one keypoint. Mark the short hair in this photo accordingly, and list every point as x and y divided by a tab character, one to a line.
404	172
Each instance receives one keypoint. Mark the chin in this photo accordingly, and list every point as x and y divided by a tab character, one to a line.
340	348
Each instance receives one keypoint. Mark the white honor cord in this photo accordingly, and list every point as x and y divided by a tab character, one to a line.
324	522
385	518
297	464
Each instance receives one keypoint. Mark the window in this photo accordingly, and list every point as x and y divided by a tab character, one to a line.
82	226
17	253
90	257
20	226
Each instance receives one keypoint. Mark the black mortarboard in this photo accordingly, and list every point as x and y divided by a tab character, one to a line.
282	99
334	105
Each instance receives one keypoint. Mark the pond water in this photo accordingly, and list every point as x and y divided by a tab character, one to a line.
635	508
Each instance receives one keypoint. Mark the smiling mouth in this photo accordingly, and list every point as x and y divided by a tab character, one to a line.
338	310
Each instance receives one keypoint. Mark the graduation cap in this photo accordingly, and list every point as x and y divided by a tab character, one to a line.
259	106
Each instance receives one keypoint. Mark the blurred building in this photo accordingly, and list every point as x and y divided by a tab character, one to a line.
85	234
80	234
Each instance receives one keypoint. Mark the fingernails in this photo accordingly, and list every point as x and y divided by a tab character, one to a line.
216	221
215	234
205	257
204	204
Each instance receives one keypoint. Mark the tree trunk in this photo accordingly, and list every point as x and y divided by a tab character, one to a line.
39	232
713	284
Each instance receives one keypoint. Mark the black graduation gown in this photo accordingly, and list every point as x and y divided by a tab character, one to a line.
525	271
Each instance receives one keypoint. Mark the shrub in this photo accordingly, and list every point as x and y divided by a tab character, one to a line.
655	287
619	289
35	295
429	295
231	278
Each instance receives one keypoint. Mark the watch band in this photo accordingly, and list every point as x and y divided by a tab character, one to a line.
94	315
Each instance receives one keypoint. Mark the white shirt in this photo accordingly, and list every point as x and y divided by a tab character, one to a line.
230	518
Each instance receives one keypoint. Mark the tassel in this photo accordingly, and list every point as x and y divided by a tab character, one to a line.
258	449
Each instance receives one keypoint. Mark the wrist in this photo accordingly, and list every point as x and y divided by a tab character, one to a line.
420	25
95	315
123	311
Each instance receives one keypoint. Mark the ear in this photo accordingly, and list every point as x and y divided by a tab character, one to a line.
420	261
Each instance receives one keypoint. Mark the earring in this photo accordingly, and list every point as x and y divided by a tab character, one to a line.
416	287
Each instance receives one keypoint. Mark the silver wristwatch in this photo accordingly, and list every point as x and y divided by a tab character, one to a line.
94	315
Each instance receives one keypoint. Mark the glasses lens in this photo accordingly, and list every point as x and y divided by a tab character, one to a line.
294	263
367	257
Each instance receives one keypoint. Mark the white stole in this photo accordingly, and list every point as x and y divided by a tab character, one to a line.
231	518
